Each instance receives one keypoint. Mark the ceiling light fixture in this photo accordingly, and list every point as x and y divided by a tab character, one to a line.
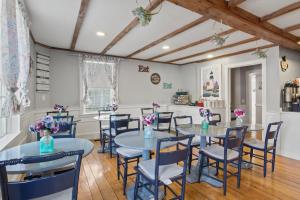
165	47
210	56
100	33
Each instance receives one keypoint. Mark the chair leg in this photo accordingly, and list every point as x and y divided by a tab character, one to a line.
190	160
156	190
136	186
103	143
273	159
118	166
251	155
125	175
265	163
110	146
217	168
239	172
225	178
201	167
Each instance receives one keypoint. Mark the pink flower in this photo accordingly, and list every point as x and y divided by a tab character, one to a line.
238	112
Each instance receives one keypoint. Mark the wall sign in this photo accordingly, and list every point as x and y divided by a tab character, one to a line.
143	68
155	78
167	85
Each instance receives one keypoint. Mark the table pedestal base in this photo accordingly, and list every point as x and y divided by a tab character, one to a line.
193	176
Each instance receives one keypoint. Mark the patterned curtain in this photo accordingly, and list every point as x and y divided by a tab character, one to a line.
89	77
10	69
15	51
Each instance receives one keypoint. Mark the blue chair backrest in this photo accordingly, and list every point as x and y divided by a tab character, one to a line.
146	111
43	186
234	139
173	156
119	122
181	120
272	132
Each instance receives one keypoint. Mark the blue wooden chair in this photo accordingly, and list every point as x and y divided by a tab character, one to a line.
164	120
267	147
164	170
126	156
181	120
102	112
215	119
67	127
63	185
118	123
231	152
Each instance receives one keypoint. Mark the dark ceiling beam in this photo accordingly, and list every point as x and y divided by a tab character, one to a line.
232	54
218	10
170	35
130	26
215	49
192	44
233	3
80	18
281	11
292	28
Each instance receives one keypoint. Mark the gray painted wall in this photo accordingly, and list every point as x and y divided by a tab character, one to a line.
293	59
134	87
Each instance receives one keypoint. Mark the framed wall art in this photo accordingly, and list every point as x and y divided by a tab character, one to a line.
211	78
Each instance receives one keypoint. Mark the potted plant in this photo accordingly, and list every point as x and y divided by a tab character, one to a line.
149	121
206	115
45	127
60	108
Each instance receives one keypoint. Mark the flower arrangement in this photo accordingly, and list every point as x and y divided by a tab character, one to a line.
114	107
149	119
60	108
239	113
46	125
205	113
155	106
218	40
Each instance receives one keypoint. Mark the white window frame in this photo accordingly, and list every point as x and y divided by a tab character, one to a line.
82	106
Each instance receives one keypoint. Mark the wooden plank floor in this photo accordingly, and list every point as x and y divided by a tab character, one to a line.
98	180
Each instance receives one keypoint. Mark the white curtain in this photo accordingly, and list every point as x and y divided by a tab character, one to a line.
14	55
92	66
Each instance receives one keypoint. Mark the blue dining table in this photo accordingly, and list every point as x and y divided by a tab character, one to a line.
32	149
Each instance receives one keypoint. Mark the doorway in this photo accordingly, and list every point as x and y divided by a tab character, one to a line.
244	89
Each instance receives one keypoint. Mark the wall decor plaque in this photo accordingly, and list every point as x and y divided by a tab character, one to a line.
155	78
143	68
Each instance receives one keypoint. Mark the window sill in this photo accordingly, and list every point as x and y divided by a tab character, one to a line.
7	139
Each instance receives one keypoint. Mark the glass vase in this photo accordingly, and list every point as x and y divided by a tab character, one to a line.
204	124
148	132
239	121
46	143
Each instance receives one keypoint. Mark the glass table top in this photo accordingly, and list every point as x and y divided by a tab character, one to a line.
32	149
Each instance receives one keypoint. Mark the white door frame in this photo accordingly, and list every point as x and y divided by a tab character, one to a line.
227	68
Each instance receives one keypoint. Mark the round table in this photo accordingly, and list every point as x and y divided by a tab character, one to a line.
32	149
136	140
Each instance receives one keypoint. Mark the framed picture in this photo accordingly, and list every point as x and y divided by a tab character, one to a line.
155	78
211	77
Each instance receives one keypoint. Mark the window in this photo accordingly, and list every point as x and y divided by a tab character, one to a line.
98	89
3	119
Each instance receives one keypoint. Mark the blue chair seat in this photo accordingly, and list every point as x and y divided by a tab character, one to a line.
166	172
257	144
195	141
217	151
129	153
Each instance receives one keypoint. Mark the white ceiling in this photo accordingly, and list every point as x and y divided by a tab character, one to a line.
53	24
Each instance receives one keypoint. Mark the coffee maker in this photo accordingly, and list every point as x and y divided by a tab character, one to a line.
290	97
